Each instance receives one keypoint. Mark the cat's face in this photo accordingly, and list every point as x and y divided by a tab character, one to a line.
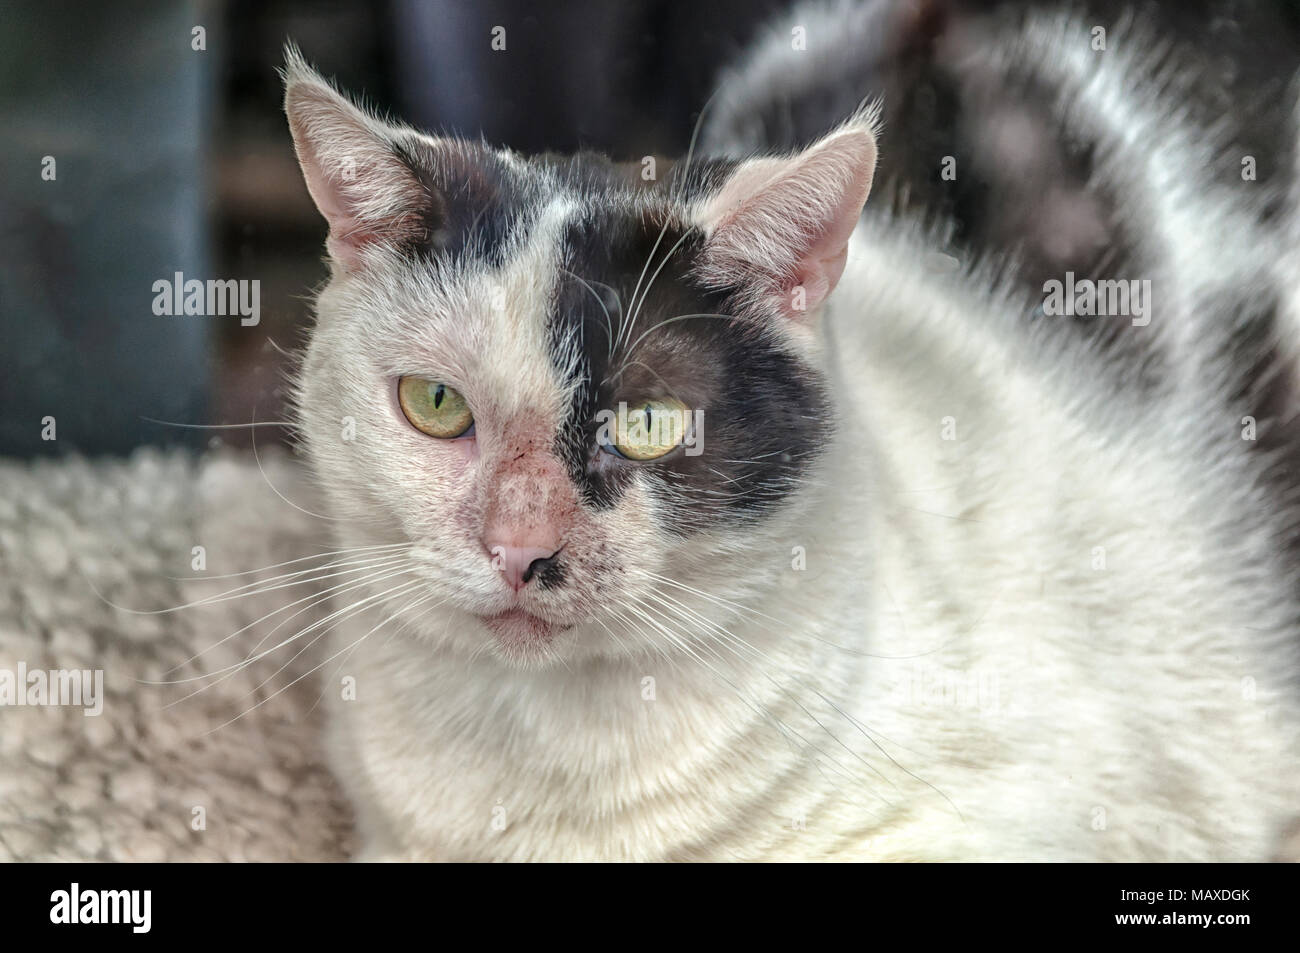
574	386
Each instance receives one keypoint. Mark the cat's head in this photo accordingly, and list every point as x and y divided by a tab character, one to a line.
575	386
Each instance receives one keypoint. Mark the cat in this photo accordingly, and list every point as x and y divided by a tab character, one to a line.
919	571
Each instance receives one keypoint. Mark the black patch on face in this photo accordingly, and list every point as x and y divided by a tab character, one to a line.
477	205
765	413
549	573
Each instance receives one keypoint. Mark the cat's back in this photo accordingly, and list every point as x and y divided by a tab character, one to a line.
1084	533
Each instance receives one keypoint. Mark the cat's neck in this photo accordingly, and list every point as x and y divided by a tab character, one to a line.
731	720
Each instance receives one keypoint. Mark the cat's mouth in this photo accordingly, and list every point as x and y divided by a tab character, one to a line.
519	627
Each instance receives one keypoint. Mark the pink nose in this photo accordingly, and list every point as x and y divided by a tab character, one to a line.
519	563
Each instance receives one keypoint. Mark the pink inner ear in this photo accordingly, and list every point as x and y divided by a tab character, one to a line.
787	223
363	190
343	226
819	268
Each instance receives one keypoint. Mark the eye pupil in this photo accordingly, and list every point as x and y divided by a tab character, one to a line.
641	436
437	410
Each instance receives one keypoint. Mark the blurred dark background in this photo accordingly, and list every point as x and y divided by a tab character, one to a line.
168	158
173	159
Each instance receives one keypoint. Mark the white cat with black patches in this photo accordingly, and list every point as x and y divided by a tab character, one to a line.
597	648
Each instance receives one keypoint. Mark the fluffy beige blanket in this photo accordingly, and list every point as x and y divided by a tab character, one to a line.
226	765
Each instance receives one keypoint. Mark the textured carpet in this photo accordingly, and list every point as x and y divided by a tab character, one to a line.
158	776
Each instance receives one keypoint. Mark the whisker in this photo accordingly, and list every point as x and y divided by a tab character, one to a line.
289	562
319	597
747	611
695	134
349	610
261	423
239	592
379	576
257	458
609	324
637	305
735	643
764	712
625	320
312	575
411	587
401	628
674	319
248	660
780	725
302	676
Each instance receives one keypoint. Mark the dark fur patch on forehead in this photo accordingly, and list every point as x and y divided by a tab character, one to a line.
765	414
478	205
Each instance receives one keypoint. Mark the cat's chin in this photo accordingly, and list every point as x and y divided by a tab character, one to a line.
519	633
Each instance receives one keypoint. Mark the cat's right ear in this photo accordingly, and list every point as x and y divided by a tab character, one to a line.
356	175
779	227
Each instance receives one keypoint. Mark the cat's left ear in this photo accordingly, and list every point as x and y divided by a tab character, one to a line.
778	229
354	169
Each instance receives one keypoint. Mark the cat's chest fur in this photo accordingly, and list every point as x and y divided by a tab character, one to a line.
1011	624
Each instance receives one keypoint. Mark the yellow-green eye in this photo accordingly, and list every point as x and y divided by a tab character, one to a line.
434	408
650	429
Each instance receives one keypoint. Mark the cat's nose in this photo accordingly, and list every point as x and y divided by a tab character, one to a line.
520	564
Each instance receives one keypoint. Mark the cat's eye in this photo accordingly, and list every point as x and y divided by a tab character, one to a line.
648	430
434	408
